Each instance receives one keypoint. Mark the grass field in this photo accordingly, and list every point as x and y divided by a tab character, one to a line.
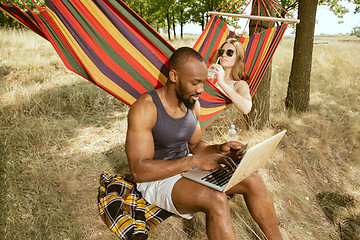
58	132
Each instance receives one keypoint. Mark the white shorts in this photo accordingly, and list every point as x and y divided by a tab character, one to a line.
159	193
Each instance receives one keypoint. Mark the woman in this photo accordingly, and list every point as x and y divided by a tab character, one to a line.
230	74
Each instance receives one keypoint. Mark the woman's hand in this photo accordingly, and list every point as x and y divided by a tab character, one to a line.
218	71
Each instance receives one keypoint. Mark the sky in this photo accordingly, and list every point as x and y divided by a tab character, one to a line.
327	22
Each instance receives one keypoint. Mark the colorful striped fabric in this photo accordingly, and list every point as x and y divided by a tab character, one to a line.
110	45
107	43
23	17
260	48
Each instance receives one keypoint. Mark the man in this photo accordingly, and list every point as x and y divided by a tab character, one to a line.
164	140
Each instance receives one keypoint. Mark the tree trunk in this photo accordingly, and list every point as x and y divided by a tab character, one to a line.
203	23
182	24
174	24
168	24
298	93
259	114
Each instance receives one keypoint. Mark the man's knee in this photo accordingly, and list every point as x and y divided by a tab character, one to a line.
254	183
215	201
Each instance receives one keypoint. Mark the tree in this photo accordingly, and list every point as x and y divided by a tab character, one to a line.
259	114
298	94
167	8
198	10
356	31
196	13
170	13
149	11
183	14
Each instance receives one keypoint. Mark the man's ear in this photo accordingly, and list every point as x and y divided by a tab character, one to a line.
173	76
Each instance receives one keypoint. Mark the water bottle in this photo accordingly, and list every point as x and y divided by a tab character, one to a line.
232	134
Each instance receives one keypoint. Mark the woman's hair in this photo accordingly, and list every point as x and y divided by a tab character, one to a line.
238	71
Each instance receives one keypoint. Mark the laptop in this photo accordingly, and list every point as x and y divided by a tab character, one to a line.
254	158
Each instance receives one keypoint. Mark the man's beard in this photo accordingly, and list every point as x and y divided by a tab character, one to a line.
180	93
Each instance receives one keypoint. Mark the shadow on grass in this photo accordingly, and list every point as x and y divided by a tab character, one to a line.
3	210
117	158
40	175
337	208
4	71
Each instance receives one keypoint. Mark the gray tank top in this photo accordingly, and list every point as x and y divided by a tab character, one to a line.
171	135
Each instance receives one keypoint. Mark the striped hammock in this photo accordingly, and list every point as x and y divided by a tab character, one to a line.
107	43
259	50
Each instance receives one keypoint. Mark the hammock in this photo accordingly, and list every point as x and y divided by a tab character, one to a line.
259	49
105	42
110	45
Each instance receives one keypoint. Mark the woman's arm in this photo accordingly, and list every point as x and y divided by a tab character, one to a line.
240	95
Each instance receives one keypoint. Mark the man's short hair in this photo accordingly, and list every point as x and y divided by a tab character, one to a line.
181	56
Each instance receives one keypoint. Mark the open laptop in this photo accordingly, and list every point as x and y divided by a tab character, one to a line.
254	158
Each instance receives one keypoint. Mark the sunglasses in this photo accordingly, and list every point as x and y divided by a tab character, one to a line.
229	52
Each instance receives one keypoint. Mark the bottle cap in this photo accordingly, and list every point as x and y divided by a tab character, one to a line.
232	126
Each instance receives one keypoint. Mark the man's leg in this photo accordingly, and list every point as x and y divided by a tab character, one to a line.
260	204
189	197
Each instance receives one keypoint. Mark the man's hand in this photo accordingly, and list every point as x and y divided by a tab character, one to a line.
233	149
215	161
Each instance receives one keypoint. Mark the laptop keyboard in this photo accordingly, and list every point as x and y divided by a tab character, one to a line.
219	177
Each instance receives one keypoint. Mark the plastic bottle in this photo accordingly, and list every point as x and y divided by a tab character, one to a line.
232	134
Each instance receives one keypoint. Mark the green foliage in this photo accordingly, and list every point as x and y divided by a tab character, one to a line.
357	7
289	6
173	12
335	6
356	31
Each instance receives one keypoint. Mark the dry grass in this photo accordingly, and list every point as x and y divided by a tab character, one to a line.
59	132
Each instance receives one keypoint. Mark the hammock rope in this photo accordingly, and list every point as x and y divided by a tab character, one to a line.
244	4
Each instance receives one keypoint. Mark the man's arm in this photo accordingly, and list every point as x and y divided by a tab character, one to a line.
140	145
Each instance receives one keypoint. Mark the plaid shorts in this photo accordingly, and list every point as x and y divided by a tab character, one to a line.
124	210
